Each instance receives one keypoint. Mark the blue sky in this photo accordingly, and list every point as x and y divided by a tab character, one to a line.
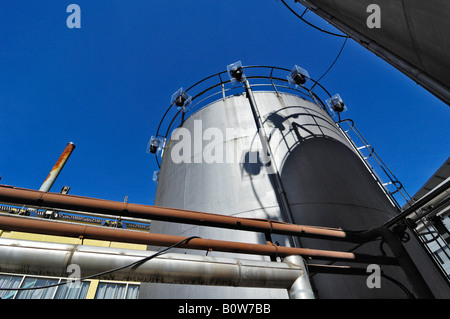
105	86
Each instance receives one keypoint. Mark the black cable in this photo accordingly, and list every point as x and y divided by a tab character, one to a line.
304	12
107	271
399	284
332	64
312	25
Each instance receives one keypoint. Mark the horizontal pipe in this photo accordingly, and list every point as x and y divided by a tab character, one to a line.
332	269
28	224
52	259
35	198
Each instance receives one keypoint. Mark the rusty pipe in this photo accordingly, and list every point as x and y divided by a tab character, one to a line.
48	183
93	205
27	224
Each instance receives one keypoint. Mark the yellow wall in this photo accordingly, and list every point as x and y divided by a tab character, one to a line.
68	240
92	289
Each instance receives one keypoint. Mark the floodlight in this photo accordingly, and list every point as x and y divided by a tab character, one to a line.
298	76
155	144
336	104
236	72
155	176
181	99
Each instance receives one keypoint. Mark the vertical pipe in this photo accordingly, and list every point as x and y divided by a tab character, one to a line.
48	183
301	288
266	146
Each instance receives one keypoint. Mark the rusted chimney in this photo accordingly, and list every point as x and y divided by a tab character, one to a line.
48	183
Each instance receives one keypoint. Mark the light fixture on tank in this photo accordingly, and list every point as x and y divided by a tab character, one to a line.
298	76
155	144
336	104
181	99
236	72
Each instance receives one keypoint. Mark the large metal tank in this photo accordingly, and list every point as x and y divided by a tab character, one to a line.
324	179
233	187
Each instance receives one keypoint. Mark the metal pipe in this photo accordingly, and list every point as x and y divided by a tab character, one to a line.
48	183
332	269
301	288
35	198
52	259
280	192
47	227
88	204
28	224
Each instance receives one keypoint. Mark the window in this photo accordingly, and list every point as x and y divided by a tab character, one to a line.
57	292
9	282
443	254
30	282
76	292
107	290
104	290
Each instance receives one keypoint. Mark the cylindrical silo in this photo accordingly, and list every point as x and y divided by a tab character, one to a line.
215	162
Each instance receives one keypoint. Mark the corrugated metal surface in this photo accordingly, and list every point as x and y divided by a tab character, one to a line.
414	31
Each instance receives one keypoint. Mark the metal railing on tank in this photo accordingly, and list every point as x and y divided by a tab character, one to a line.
432	228
428	218
220	85
297	81
186	102
382	174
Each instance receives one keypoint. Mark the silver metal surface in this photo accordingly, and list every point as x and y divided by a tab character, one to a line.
301	288
53	259
326	184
